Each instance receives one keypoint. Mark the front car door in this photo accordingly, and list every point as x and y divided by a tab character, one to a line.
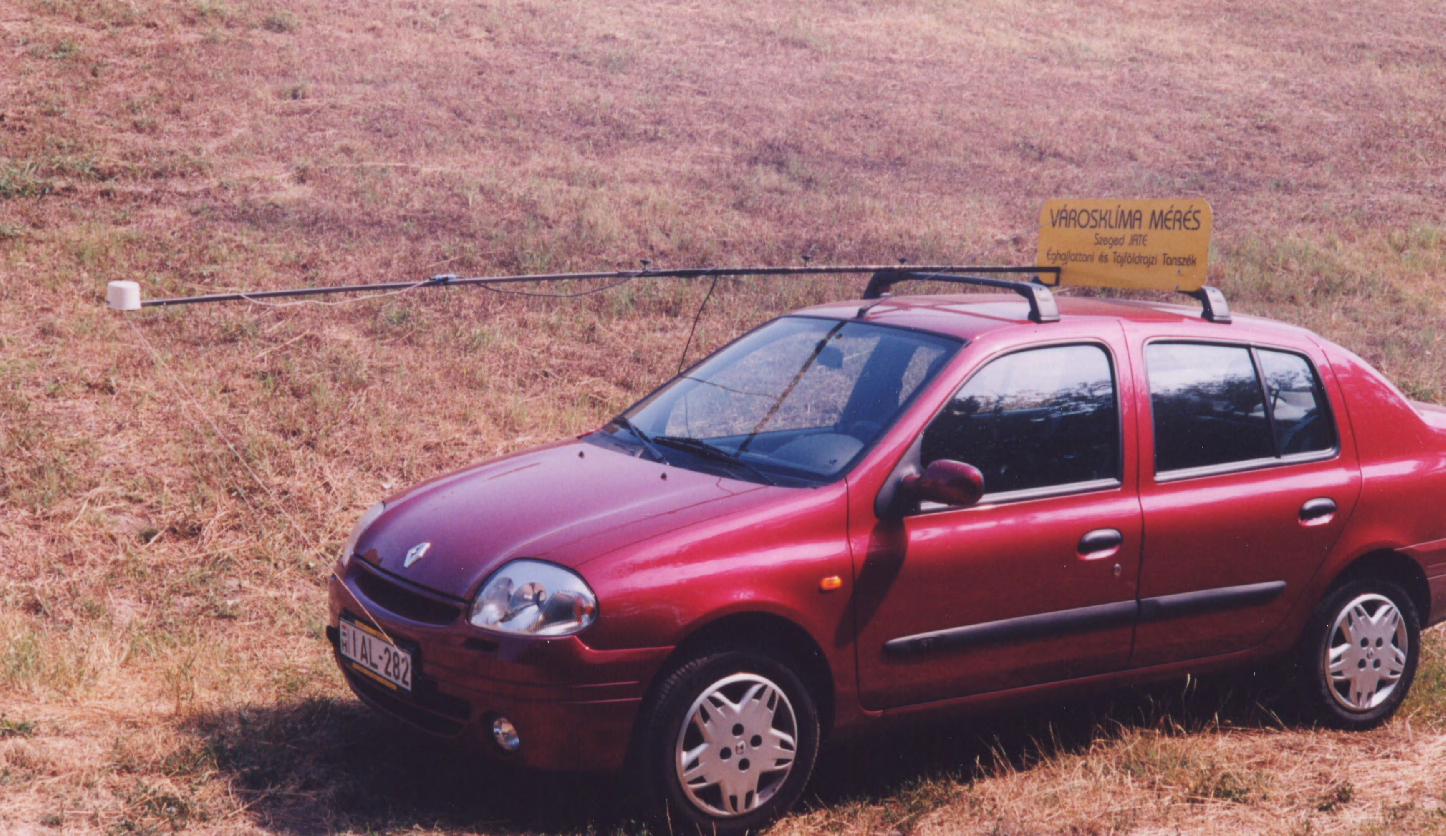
1248	480
1037	581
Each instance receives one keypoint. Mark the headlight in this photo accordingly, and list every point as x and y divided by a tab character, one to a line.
533	598
359	529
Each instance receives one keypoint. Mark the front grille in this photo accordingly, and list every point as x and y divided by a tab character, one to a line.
450	715
410	605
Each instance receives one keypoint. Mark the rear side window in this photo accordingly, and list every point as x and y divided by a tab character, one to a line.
1207	404
1033	419
1210	406
1298	408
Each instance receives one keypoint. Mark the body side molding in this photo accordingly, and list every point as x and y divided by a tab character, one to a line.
1101	617
1209	600
1026	627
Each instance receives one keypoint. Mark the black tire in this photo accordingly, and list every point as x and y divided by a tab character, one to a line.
662	737
1386	658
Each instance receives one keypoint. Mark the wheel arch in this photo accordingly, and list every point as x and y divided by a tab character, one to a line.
1391	565
769	632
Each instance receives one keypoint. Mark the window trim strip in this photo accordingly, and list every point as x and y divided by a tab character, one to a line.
1047	492
1245	464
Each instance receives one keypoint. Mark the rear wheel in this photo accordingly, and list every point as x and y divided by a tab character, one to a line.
1359	653
726	743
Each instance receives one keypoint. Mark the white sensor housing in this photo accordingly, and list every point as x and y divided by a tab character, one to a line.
123	296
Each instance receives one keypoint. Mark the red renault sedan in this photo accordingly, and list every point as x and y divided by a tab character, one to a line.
873	510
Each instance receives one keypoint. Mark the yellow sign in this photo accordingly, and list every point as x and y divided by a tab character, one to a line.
1148	244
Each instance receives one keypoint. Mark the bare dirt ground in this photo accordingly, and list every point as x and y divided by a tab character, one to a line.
174	485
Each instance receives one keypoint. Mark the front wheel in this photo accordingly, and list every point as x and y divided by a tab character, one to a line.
1360	652
728	742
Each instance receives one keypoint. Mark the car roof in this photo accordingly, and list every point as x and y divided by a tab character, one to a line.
968	316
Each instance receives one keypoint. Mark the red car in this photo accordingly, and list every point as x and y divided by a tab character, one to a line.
873	510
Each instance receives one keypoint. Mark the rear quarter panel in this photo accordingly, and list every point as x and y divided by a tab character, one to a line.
1403	468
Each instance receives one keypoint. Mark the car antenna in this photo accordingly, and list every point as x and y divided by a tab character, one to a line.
126	295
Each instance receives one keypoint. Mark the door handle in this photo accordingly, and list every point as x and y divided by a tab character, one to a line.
1102	542
1317	510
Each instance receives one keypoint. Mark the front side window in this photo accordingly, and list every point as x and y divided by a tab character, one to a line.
797	400
1033	419
1211	408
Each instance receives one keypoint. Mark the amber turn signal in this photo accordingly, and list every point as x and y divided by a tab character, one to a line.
830	583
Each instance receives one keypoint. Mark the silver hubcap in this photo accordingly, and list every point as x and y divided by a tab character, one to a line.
736	746
1366	655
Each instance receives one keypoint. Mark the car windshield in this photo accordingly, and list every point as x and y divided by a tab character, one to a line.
796	401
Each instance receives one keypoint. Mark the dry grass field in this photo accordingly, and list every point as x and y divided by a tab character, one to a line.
174	485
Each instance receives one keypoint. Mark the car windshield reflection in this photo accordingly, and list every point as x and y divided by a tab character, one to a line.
796	401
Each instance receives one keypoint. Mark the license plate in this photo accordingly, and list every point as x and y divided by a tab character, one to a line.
369	651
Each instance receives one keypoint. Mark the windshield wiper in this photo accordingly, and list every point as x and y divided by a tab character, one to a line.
712	451
641	436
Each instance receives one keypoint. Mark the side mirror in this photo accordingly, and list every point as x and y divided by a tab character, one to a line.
947	483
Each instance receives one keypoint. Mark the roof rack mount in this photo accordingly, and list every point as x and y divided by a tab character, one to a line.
1215	308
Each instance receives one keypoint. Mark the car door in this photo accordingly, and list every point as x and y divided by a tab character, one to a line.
1037	581
1247	485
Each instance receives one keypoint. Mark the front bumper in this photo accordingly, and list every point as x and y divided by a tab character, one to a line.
573	706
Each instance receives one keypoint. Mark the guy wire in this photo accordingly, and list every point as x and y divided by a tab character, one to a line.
186	397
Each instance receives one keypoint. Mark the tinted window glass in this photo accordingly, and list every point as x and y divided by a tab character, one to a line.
1302	416
1208	406
1033	419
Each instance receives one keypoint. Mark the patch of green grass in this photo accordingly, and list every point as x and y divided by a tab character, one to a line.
79	167
280	22
1173	765
146	806
211	10
917	798
58	51
46	660
48	479
22	181
1293	270
1339	796
15	728
1427	699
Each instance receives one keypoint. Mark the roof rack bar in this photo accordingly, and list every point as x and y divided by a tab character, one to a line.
1041	302
886	277
1216	309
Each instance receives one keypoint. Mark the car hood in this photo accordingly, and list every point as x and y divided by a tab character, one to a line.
566	503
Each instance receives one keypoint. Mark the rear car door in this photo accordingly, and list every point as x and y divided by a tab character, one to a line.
1245	486
1036	582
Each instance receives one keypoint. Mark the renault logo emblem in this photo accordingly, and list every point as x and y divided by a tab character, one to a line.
415	553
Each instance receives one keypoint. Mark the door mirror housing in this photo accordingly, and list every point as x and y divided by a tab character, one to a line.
948	483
